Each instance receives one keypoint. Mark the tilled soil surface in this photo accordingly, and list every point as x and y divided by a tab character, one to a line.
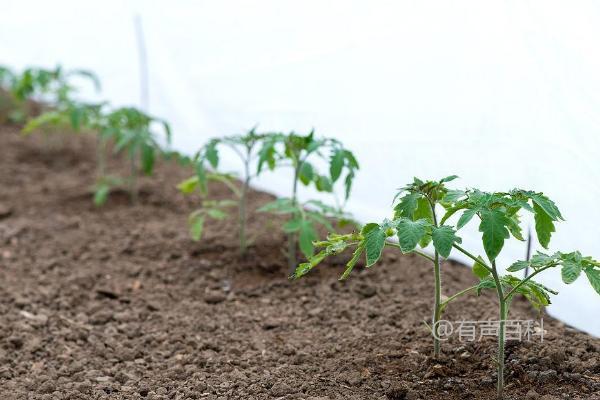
118	303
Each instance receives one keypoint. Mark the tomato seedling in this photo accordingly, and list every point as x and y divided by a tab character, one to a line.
301	153
246	148
415	223
499	219
53	87
132	131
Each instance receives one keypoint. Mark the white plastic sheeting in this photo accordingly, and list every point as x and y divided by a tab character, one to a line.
503	94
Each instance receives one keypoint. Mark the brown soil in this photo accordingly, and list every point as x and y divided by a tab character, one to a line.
118	303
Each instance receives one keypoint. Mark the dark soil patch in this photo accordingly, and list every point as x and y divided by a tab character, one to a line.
118	303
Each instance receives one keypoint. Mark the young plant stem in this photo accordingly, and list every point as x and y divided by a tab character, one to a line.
437	308
501	338
243	201
292	235
133	190
100	153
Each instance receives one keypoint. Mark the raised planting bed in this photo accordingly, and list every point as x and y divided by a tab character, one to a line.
118	302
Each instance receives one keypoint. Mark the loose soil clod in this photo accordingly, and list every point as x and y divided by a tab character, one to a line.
118	303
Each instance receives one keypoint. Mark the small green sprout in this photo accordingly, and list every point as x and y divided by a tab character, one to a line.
246	148
133	132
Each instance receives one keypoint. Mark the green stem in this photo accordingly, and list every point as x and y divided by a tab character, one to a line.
133	190
501	338
292	235
456	295
513	290
472	257
243	204
417	252
437	309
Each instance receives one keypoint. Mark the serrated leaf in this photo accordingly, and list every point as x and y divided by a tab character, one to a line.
407	206
336	165
212	154
424	211
493	226
452	196
444	238
515	228
374	243
410	233
465	218
479	269
485	283
306	173
593	276
517	266
570	271
547	205
543	225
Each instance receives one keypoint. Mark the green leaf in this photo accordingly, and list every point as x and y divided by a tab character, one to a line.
410	233
216	213
201	175
593	276
101	194
443	239
147	159
374	244
196	225
485	283
452	196
336	165
515	228
466	217
306	237
517	266
547	205
212	154
451	211
407	206
292	225
280	206
570	271
348	184
306	173
480	270
424	211
493	226
448	178
323	184
543	225
189	185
